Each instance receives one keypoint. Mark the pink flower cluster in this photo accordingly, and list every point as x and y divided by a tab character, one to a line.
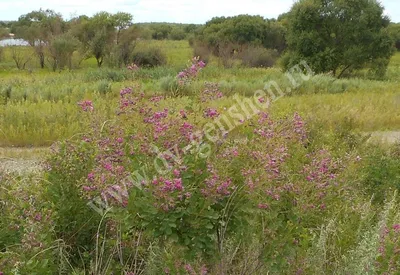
216	187
156	99
186	130
211	113
109	168
191	71
299	127
129	99
169	192
125	91
322	171
211	92
86	105
156	116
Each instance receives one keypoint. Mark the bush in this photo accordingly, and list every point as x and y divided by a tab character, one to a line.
151	57
5	95
171	87
243	30
177	34
197	205
324	54
106	74
258	57
104	87
201	50
381	172
73	219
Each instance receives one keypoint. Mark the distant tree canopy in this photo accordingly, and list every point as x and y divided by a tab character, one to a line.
394	30
243	30
53	37
334	36
337	36
172	31
3	32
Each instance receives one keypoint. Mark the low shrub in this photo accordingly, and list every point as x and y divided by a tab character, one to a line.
104	87
5	95
149	57
114	75
202	51
194	201
177	33
381	172
170	86
258	57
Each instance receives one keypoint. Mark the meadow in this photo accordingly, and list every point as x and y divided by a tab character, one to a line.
131	180
40	107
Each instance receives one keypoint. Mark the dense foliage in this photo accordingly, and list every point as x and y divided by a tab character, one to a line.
337	36
394	30
243	30
230	37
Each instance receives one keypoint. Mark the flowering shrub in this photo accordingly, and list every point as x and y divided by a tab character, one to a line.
26	220
259	191
155	166
86	105
211	113
191	72
211	92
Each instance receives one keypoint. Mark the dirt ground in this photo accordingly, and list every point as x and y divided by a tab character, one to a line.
22	160
386	137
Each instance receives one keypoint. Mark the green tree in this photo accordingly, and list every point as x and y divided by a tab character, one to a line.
79	27
394	30
161	31
96	35
191	28
338	35
38	28
3	33
122	53
242	31
177	33
61	49
122	21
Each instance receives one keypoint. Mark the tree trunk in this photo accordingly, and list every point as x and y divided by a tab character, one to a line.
41	60
40	53
344	70
99	61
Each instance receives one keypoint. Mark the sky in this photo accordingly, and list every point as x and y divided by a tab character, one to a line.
180	11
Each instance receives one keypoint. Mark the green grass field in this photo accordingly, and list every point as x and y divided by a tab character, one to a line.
39	106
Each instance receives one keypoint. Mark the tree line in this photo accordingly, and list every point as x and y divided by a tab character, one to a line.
331	35
102	36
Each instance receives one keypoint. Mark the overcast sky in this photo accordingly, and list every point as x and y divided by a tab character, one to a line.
182	11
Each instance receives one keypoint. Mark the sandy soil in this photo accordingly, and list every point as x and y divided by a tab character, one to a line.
390	137
22	160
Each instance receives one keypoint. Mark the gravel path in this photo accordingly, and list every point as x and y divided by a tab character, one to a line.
21	161
20	166
389	137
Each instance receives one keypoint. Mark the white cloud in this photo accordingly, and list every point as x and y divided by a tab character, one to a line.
185	11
